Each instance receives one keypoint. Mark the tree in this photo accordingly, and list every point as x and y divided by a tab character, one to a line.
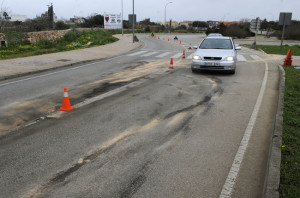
201	24
40	23
96	20
146	22
4	13
222	28
240	30
181	27
60	25
264	24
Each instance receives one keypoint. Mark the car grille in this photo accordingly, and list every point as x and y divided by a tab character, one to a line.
212	58
212	67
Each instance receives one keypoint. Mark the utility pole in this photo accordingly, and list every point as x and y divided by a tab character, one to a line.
133	21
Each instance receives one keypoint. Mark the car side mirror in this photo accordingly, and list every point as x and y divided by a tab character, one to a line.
238	48
195	47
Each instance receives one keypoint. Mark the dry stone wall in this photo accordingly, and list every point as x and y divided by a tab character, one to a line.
2	37
35	37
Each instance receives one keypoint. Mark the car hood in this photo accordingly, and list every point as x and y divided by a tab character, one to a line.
214	53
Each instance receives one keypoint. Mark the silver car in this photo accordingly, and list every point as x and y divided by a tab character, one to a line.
214	34
215	53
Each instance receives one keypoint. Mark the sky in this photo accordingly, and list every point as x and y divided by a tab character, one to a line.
178	10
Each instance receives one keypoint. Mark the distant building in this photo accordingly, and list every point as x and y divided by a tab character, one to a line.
174	24
77	20
17	17
186	23
213	24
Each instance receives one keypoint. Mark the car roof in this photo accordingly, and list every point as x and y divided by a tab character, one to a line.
218	37
214	34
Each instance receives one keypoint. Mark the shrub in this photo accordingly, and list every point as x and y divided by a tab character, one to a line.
238	31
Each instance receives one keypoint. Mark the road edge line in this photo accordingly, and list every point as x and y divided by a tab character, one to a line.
237	162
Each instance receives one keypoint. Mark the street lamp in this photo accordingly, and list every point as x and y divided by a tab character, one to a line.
122	17
166	12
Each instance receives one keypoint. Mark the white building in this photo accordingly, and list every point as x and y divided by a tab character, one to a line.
17	17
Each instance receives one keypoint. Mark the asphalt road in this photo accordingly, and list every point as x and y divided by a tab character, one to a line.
168	133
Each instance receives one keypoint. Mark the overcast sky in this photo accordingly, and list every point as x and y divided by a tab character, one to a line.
179	10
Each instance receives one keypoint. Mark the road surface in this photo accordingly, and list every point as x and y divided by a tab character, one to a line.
150	132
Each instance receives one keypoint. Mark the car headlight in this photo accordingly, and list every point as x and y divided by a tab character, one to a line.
195	57
229	58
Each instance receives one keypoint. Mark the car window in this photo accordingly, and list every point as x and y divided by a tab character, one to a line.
216	44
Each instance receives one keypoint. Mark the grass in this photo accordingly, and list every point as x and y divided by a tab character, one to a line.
71	41
270	49
290	161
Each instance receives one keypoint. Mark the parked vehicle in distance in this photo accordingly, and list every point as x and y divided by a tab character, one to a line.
214	34
215	53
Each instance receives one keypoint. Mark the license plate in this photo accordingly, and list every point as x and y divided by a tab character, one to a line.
211	64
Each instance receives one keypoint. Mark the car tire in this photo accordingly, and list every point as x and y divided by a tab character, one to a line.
194	70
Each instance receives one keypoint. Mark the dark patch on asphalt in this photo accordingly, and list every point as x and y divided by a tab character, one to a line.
61	177
63	60
137	181
205	100
135	65
219	91
134	186
105	87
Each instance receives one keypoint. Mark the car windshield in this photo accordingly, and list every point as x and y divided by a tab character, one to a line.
216	44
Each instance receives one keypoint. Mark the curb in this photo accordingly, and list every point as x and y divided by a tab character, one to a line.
272	178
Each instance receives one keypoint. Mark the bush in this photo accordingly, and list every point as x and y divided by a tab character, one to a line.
292	32
14	38
60	25
238	30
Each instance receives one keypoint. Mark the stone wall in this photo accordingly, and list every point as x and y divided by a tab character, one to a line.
2	37
34	37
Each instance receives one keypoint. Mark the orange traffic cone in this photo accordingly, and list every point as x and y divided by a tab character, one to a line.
183	54
288	59
171	64
180	42
168	39
66	105
158	37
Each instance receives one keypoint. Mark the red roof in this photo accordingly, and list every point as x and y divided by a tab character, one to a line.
228	23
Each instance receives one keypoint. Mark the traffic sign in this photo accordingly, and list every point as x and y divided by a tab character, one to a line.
255	24
285	18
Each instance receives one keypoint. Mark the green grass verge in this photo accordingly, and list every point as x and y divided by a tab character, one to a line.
290	161
71	41
270	49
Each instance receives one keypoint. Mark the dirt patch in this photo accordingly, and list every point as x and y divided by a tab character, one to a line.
15	116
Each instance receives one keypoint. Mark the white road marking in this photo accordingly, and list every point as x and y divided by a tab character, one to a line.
235	168
255	57
163	54
177	55
149	54
61	71
241	58
137	53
